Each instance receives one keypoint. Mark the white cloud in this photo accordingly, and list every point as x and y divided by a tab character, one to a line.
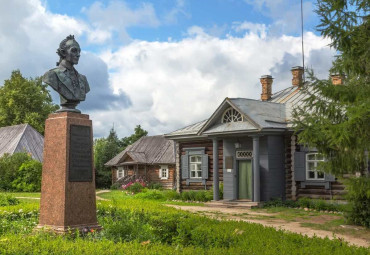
117	17
174	84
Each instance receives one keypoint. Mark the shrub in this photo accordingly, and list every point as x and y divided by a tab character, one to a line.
6	200
201	196
9	165
155	185
171	195
28	177
359	201
135	187
151	194
115	186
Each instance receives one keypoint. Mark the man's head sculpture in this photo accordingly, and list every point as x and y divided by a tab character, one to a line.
64	79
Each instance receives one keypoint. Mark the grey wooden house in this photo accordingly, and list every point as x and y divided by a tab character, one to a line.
21	138
249	146
151	158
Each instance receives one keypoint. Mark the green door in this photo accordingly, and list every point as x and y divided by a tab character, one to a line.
245	179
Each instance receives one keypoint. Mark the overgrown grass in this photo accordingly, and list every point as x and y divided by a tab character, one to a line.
22	194
142	226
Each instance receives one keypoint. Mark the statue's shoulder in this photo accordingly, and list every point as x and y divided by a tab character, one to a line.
50	77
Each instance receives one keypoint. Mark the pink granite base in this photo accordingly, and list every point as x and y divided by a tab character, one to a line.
65	205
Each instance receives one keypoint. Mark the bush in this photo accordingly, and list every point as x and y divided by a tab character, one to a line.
28	177
134	187
151	194
171	195
155	185
6	200
115	186
9	166
201	196
359	201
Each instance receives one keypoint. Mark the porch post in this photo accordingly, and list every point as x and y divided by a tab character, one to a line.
216	195
256	168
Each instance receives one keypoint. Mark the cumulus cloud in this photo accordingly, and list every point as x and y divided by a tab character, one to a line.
285	14
174	84
116	17
29	43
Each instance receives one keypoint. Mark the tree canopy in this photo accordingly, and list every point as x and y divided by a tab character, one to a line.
335	119
25	100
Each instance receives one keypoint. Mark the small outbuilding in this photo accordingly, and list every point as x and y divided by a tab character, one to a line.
151	158
21	138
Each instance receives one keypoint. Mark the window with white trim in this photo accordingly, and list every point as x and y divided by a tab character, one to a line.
195	166
120	172
312	160
163	172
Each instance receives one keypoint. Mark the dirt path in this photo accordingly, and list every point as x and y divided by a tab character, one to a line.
295	226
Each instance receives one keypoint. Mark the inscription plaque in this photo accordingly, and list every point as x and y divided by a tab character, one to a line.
80	154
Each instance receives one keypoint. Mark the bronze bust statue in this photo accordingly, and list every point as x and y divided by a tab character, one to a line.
64	79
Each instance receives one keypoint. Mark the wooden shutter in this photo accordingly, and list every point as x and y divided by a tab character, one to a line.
185	166
204	166
299	166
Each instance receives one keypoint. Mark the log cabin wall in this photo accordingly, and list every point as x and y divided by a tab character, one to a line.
153	176
288	167
208	145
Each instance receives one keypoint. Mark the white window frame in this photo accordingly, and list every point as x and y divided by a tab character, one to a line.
163	172
195	166
315	162
120	172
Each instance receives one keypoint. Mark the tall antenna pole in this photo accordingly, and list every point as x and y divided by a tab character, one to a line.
302	39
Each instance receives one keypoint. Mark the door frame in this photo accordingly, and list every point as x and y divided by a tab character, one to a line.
237	177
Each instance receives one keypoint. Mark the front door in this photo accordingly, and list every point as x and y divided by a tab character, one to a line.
245	179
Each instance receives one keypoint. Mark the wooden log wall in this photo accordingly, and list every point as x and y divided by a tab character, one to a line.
208	145
153	176
288	167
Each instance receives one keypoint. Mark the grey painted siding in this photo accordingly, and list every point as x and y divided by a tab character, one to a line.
229	178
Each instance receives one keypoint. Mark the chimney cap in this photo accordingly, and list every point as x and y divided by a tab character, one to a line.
266	77
297	68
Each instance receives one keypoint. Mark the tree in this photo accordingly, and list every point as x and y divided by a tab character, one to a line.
335	119
25	101
139	132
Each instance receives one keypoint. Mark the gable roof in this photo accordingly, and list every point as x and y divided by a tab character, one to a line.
146	150
21	138
273	114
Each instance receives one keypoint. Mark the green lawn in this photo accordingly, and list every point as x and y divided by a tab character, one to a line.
142	226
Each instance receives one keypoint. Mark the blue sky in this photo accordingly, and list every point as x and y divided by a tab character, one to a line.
163	64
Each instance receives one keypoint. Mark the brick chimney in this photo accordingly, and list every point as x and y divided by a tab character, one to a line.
337	79
297	73
266	81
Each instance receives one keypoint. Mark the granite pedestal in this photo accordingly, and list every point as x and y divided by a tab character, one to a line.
68	199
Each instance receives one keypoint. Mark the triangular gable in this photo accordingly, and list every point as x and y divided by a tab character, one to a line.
217	115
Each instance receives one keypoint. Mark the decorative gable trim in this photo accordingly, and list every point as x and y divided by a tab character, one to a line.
218	112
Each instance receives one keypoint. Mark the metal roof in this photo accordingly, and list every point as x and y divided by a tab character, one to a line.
21	138
147	150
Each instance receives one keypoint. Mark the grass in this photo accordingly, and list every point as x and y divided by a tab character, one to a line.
22	194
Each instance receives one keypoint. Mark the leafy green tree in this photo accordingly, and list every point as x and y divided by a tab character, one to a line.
25	101
335	119
139	132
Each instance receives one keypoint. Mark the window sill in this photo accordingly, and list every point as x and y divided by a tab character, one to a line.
326	184
188	181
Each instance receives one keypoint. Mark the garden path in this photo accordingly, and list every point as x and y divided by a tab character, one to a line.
249	215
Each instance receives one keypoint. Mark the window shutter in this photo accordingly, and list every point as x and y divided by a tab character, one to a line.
299	166
160	172
204	166
185	166
329	177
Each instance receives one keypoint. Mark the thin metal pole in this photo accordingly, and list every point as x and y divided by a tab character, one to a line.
302	39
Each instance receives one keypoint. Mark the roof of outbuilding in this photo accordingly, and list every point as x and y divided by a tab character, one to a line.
21	138
147	150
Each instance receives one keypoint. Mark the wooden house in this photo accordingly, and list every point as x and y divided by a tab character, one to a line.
21	138
151	158
249	146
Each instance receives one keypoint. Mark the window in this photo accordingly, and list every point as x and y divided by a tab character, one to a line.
312	160
196	166
231	115
120	172
163	172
